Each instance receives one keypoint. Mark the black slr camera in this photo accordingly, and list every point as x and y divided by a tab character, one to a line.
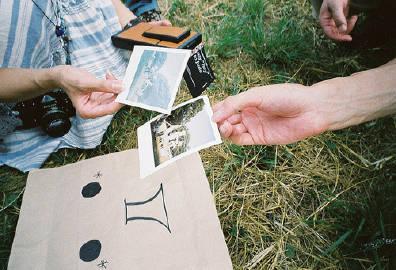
50	111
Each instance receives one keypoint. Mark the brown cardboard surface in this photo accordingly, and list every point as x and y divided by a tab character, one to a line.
56	220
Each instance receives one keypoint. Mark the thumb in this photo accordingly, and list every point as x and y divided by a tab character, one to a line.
234	104
106	86
338	15
351	23
110	76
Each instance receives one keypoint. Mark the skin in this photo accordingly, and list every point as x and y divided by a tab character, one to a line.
286	113
334	20
90	96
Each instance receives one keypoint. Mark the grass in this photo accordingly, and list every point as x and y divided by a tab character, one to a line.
327	202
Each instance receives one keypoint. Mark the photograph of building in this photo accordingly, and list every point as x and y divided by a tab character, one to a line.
186	128
171	140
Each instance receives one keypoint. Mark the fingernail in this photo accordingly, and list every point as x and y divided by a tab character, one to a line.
342	28
217	116
223	129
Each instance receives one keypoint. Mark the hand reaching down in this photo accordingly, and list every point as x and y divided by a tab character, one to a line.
334	20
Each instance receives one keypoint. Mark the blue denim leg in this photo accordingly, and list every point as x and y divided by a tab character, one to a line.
140	6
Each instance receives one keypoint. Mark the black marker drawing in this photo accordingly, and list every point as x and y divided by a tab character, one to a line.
103	264
148	218
91	190
90	250
98	175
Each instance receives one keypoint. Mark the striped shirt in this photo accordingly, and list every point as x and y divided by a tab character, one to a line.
28	40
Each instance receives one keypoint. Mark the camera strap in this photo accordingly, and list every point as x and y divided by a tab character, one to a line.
60	28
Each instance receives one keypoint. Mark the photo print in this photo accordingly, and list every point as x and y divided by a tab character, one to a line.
167	138
153	77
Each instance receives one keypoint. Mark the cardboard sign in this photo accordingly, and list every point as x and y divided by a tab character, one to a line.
99	214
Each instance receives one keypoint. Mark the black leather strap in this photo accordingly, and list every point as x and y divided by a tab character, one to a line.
132	23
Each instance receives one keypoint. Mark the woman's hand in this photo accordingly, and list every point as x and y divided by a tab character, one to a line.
90	96
274	114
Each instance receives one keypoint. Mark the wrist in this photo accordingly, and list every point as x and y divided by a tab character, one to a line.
56	76
333	105
48	78
126	18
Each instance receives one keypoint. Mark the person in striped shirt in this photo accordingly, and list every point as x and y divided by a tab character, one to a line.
51	44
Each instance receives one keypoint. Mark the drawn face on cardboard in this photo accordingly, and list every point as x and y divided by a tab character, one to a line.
99	214
152	209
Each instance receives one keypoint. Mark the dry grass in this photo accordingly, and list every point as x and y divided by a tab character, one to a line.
324	203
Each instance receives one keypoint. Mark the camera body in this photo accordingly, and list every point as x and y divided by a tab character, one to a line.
50	111
142	33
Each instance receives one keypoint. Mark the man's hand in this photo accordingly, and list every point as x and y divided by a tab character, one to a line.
90	96
334	20
274	114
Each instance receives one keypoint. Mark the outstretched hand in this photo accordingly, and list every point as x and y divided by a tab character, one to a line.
274	114
334	20
90	96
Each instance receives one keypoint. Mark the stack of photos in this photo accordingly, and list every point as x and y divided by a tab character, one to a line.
167	138
153	77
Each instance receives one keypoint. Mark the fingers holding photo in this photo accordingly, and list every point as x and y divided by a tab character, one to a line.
92	97
96	105
231	125
234	104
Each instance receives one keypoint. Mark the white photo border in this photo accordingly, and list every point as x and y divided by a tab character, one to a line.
147	164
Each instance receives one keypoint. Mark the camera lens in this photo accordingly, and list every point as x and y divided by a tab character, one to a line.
55	123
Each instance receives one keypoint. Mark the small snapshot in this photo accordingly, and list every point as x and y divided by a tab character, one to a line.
153	77
167	138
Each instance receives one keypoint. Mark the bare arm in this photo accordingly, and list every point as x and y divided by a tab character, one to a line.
21	84
123	13
286	113
90	96
358	98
